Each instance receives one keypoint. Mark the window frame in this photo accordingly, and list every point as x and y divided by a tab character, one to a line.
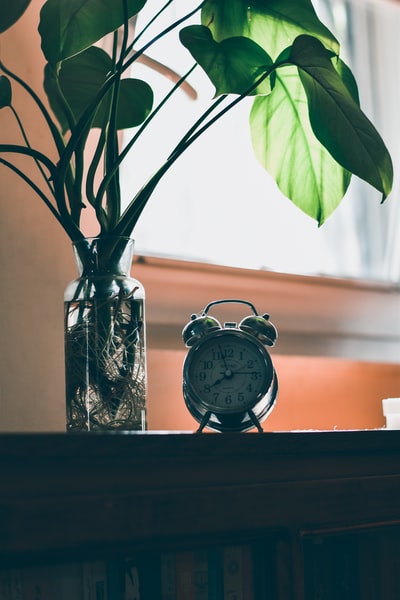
315	316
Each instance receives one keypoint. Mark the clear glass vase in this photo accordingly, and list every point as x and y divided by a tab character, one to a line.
105	352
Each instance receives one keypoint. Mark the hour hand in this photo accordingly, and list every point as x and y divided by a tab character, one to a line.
221	378
227	374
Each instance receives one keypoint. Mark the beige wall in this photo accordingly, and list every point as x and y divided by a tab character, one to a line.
36	263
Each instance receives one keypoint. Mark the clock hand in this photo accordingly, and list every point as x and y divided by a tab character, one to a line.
244	372
227	374
223	357
218	380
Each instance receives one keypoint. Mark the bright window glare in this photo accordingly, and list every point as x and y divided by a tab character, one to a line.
217	204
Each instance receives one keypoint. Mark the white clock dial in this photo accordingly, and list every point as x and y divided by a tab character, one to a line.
229	372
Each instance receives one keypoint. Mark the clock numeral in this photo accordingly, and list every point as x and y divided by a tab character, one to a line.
221	354
208	364
255	375
228	399
215	398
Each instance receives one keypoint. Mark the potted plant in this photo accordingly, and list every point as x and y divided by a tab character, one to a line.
306	123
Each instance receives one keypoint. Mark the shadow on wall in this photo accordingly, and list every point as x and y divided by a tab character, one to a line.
314	393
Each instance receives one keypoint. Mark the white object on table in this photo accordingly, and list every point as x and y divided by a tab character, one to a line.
391	410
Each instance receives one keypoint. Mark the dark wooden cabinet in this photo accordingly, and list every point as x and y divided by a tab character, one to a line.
322	507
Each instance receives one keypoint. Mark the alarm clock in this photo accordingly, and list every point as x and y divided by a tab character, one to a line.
229	381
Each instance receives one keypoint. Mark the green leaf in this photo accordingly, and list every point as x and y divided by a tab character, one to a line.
286	146
87	72
337	120
5	91
233	65
69	26
348	78
11	11
134	103
272	24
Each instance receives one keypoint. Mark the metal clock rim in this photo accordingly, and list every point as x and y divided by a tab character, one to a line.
212	336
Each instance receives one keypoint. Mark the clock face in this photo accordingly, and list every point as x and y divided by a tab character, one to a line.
228	372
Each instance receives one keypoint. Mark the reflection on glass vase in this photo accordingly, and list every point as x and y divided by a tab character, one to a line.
105	353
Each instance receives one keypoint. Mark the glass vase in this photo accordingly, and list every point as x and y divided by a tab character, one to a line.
105	352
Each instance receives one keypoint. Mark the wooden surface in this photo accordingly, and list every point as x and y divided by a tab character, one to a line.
83	495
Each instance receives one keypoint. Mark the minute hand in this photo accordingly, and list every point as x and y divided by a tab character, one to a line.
244	372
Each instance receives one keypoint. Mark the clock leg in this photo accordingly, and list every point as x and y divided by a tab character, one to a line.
255	421
204	421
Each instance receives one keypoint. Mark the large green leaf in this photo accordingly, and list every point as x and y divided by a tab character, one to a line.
273	24
11	11
336	118
233	65
69	26
286	146
5	91
87	72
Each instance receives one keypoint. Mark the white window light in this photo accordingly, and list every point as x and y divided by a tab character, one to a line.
218	205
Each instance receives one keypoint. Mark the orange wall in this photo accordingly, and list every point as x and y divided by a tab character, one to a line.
314	393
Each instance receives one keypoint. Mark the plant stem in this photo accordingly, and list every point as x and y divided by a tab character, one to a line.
57	137
83	124
149	24
162	33
26	140
35	154
105	182
111	147
194	132
72	232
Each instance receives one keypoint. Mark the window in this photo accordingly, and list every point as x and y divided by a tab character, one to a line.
217	211
221	207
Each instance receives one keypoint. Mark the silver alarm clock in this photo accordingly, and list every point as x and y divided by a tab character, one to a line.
229	381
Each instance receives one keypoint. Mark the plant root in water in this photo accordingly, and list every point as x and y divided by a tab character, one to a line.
105	364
